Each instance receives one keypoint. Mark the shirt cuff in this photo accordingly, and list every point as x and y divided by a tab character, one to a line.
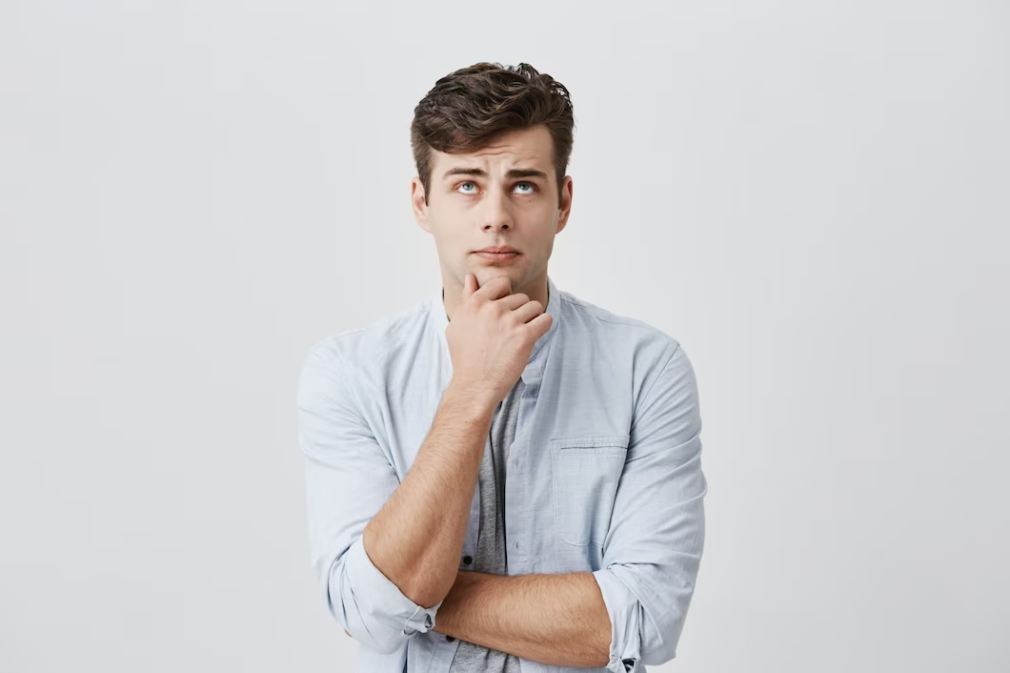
625	620
382	599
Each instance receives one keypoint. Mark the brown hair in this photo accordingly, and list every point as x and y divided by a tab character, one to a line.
468	108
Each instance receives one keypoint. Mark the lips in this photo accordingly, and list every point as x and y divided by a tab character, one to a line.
500	249
503	257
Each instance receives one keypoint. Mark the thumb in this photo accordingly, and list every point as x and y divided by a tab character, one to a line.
469	287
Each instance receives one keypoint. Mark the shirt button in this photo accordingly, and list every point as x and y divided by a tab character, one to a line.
467	560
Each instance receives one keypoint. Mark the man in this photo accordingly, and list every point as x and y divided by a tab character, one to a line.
586	555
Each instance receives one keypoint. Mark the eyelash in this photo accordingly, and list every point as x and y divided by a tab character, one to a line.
524	182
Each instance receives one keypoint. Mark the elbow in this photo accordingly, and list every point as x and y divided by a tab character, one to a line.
427	596
661	654
364	623
653	649
660	637
648	628
368	605
364	627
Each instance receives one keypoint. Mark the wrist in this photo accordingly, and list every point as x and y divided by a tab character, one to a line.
477	400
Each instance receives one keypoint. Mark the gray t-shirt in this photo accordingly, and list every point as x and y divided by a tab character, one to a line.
491	554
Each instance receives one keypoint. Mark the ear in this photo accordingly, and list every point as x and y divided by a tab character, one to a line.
566	203
418	203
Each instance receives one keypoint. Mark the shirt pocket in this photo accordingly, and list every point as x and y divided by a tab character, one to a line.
586	471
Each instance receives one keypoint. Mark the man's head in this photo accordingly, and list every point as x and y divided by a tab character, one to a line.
491	145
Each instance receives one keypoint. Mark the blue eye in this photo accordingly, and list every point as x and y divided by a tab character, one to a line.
532	187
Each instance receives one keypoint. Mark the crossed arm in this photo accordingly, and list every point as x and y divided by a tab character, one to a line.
631	610
556	619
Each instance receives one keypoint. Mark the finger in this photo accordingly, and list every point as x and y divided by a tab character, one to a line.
513	301
497	287
469	285
528	310
541	324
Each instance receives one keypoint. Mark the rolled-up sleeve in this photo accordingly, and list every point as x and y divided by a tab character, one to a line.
653	549
348	479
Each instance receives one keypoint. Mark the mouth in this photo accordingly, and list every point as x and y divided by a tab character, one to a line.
497	256
498	249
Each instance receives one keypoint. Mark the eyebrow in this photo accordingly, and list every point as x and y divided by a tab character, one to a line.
513	173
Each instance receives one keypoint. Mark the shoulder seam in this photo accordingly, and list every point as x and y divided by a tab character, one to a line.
676	348
352	372
614	319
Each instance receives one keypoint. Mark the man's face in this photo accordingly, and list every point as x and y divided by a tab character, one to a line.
502	195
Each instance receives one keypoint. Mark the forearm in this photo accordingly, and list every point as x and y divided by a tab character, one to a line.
558	619
416	538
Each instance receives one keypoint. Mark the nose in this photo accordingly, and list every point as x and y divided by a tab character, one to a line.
497	214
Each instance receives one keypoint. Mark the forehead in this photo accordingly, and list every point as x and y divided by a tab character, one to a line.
527	148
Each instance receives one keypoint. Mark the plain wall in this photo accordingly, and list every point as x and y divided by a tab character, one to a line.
812	197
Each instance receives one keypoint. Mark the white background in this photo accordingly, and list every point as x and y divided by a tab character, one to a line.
812	197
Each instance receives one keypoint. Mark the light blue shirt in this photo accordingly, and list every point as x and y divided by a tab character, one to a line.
604	474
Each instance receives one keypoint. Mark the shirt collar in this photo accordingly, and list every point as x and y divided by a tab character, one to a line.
534	365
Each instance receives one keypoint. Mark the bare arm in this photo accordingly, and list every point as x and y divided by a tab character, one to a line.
416	538
558	619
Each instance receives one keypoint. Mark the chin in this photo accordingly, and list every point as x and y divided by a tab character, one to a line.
484	275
